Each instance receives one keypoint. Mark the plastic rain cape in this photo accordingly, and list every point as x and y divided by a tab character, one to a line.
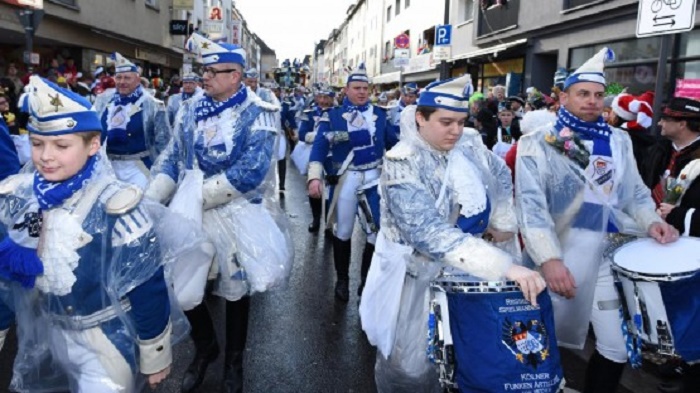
415	216
52	328
550	192
254	251
155	120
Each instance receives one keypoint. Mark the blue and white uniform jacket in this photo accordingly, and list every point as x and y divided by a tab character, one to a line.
368	145
175	101
233	147
440	203
136	126
102	275
288	114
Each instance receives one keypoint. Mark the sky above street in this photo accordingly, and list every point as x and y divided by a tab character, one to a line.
292	27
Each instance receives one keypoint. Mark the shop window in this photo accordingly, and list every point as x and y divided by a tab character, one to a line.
466	10
690	44
498	16
568	4
625	51
425	45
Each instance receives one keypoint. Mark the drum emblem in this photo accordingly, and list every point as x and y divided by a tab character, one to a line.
527	340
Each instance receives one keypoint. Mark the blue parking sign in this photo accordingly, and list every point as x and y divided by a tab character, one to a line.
443	35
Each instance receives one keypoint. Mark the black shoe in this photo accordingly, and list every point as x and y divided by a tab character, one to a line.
233	374
314	226
194	376
342	290
328	232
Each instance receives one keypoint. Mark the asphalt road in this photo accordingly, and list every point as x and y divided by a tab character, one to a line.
301	339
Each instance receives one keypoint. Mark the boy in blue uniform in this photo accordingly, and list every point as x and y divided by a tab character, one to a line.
82	251
356	134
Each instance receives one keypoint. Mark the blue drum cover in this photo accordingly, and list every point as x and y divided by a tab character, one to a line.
682	301
504	344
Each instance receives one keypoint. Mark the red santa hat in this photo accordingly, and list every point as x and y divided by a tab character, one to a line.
637	111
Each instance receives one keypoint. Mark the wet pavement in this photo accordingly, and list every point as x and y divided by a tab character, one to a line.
300	339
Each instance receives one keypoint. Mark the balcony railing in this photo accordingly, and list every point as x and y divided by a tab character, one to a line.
498	18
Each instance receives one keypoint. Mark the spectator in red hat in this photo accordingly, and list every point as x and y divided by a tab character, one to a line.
634	115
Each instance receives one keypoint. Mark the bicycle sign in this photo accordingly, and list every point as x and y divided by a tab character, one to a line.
657	17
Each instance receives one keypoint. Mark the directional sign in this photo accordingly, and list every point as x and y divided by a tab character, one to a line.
657	17
443	35
402	41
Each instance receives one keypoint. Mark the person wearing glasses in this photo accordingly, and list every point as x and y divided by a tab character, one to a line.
223	150
136	125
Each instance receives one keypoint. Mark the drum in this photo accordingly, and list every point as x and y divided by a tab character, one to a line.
484	336
660	285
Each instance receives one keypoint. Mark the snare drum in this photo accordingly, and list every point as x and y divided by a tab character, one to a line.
484	336
661	288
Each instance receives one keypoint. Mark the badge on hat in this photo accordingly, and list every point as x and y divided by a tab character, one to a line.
215	53
57	111
122	64
409	88
448	94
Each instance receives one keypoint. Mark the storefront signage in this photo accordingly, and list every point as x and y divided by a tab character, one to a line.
689	88
656	17
183	4
178	27
236	32
214	24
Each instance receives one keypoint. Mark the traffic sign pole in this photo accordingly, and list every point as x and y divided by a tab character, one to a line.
444	71
660	79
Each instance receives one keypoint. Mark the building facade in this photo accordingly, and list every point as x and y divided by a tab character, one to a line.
517	43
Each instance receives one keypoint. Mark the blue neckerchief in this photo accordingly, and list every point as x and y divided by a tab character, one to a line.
119	99
52	194
186	96
401	105
207	107
586	130
349	107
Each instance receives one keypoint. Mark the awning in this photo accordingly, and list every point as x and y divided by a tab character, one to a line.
422	76
489	51
389	77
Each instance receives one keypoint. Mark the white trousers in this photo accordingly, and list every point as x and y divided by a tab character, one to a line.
92	362
606	319
346	207
134	172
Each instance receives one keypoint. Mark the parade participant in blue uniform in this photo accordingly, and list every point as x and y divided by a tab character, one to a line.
308	127
356	134
84	257
440	194
226	137
252	80
577	188
409	95
135	124
288	115
189	89
9	161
